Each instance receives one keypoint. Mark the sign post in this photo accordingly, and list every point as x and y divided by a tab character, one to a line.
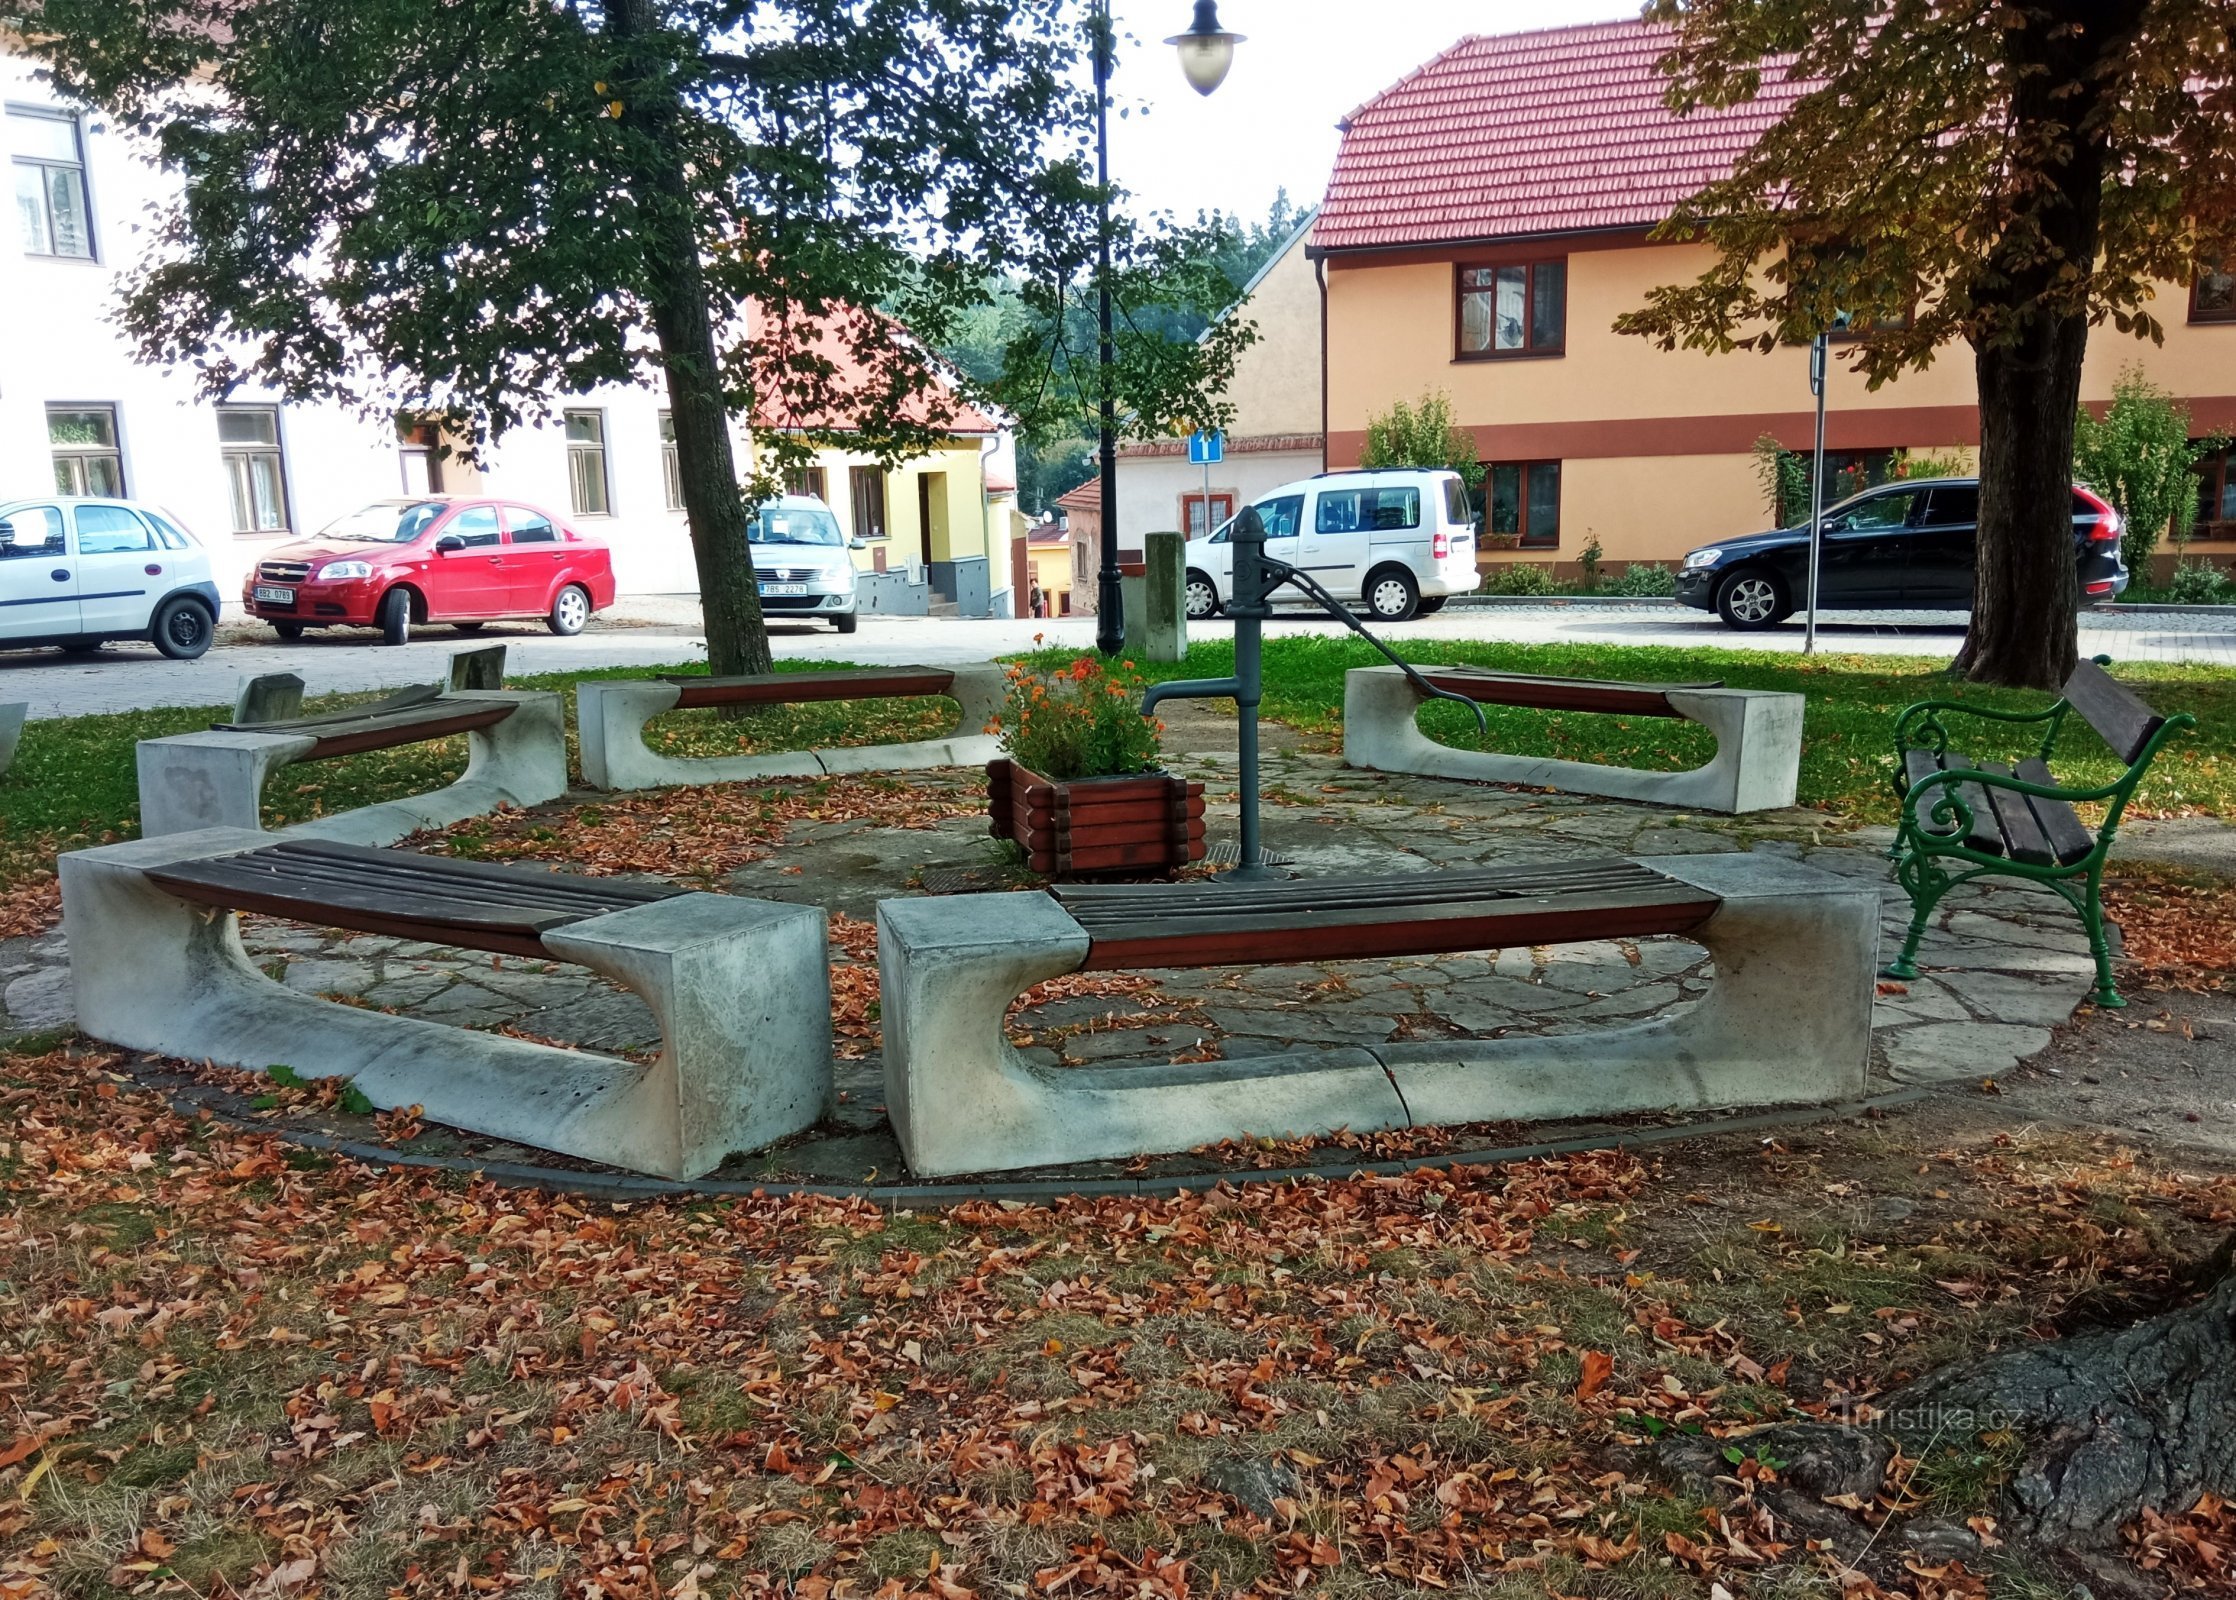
1818	351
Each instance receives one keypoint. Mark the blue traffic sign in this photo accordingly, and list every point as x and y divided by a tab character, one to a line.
1207	448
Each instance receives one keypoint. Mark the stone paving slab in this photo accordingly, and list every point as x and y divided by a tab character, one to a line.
2007	963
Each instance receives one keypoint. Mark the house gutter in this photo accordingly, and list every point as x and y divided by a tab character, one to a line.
1320	272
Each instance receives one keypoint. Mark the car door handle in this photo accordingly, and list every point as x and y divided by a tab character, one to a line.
60	574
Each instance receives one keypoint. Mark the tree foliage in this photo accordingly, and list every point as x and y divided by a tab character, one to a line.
2006	173
2141	458
1423	434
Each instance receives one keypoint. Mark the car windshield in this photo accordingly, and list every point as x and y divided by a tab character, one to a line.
796	525
385	522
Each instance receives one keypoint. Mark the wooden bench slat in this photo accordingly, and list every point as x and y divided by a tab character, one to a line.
2121	719
793	688
1983	836
305	877
1232	904
1217	898
2023	839
2070	838
1560	694
513	930
1362	932
618	891
417	726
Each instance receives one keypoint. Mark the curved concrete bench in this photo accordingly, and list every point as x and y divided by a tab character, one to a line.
1786	1020
1757	765
740	988
610	717
516	756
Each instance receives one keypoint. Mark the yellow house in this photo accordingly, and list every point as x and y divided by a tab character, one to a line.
1487	221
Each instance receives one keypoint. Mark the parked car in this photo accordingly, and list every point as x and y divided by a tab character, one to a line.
1399	540
398	563
1903	546
804	563
78	572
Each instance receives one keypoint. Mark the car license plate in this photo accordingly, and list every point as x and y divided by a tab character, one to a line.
275	595
783	588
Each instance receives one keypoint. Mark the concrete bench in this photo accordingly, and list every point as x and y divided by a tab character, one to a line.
1758	736
740	987
1786	1020
516	756
611	716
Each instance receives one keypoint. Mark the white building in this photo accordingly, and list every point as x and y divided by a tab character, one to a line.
78	413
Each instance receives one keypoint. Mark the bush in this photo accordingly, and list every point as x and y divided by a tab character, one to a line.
1084	721
2197	584
1591	560
1523	578
2140	458
1422	435
1645	578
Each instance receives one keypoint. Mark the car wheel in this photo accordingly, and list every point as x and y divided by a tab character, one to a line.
394	617
183	628
1430	607
846	622
288	631
1392	595
570	611
1202	596
1751	598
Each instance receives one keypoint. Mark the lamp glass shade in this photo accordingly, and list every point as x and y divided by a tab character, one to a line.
1205	58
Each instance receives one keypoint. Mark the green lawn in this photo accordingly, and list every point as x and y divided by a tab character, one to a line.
1853	701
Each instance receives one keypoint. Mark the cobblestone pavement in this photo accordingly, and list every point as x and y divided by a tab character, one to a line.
2005	966
665	630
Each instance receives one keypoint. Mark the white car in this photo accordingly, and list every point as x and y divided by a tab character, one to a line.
80	572
804	563
1400	540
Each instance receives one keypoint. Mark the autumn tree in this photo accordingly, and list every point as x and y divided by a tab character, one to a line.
469	210
2003	173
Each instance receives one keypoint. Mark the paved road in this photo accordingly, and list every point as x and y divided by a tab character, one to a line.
659	631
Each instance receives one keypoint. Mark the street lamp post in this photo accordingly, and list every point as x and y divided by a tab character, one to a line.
1206	52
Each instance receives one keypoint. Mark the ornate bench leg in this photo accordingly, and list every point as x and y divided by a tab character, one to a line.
963	1100
2091	907
210	780
739	986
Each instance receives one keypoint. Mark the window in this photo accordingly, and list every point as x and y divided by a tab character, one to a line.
671	470
31	531
111	531
810	481
50	184
1351	510
86	458
1882	510
865	488
1199	513
2216	495
586	464
2212	297
1955	507
1519	310
249	438
1524	497
419	457
474	527
530	527
173	536
1281	518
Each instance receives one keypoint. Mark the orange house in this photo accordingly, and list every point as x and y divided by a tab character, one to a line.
1486	223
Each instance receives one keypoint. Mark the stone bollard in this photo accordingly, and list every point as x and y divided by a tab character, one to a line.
477	669
11	731
274	697
1161	631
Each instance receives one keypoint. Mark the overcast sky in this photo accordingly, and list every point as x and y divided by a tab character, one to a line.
1304	64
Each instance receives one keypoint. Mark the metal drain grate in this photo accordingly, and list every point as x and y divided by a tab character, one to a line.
1227	853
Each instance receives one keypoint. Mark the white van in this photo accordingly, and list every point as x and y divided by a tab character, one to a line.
1399	540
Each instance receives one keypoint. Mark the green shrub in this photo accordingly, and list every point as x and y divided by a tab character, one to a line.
1081	721
2196	583
1523	577
2140	459
1645	578
1423	435
1590	561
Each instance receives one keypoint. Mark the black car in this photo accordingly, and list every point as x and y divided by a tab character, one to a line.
1902	546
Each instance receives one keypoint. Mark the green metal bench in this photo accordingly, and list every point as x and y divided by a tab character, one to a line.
1964	818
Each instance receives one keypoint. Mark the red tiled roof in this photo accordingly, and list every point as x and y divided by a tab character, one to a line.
1087	497
1562	130
854	387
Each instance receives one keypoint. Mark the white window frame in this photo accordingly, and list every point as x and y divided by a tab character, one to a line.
671	465
240	460
47	164
581	456
78	455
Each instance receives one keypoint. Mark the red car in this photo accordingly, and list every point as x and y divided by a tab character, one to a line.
398	563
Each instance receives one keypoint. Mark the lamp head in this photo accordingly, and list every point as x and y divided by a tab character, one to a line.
1206	49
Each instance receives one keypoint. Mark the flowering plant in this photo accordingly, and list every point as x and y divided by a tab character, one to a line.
1083	721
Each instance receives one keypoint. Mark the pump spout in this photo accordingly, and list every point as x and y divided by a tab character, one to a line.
1190	689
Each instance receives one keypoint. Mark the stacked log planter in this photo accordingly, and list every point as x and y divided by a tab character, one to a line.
1144	822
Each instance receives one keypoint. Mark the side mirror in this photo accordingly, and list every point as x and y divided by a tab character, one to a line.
857	543
448	544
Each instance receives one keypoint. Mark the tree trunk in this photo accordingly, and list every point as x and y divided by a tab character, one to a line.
2059	56
2025	595
729	593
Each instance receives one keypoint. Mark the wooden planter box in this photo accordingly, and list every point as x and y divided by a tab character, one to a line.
1148	822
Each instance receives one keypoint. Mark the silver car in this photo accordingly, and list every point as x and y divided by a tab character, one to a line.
804	562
